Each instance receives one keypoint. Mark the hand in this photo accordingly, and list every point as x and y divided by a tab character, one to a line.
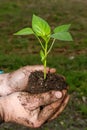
32	110
24	108
18	80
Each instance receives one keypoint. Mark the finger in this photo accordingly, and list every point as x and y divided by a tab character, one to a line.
52	70
36	100
36	68
39	68
48	98
47	112
61	108
64	92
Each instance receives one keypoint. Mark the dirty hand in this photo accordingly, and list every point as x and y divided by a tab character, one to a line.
32	110
18	80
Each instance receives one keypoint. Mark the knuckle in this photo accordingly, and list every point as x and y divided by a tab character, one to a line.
37	125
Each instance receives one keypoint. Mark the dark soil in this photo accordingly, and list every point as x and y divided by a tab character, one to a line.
53	81
17	52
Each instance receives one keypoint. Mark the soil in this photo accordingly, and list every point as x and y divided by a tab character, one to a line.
53	81
16	14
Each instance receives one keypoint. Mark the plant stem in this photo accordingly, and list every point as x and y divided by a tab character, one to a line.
40	42
45	60
46	53
51	46
45	64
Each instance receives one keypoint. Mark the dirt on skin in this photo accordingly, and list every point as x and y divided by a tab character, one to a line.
70	119
53	81
71	11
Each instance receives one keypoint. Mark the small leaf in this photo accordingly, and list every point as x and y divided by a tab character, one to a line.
42	55
25	31
64	36
40	26
62	28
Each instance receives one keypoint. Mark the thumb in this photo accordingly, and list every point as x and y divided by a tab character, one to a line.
36	100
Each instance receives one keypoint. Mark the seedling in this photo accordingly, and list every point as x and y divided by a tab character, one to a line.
42	31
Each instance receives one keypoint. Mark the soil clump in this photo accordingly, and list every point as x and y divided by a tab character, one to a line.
53	81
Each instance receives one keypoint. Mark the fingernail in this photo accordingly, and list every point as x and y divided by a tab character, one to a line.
53	70
58	94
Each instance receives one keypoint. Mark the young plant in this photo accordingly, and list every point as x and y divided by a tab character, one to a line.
42	31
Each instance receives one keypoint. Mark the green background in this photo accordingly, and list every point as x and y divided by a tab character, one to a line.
69	58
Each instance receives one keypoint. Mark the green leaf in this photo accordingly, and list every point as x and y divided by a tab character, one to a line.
25	31
40	26
64	36
62	28
42	55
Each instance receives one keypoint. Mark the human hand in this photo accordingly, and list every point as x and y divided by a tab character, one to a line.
32	110
18	80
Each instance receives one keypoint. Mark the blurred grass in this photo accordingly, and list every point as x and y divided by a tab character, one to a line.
69	58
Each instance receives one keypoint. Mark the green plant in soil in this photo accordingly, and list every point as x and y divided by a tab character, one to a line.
42	31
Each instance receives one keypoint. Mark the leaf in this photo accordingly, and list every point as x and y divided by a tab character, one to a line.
64	36
62	28
42	55
25	31
40	26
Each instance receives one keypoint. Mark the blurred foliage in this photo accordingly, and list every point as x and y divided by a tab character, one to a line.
69	58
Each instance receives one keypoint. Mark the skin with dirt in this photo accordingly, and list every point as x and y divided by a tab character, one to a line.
53	81
16	14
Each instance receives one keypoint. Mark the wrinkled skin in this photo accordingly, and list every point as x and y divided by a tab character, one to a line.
31	110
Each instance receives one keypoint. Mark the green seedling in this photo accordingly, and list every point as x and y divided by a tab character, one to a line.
42	31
